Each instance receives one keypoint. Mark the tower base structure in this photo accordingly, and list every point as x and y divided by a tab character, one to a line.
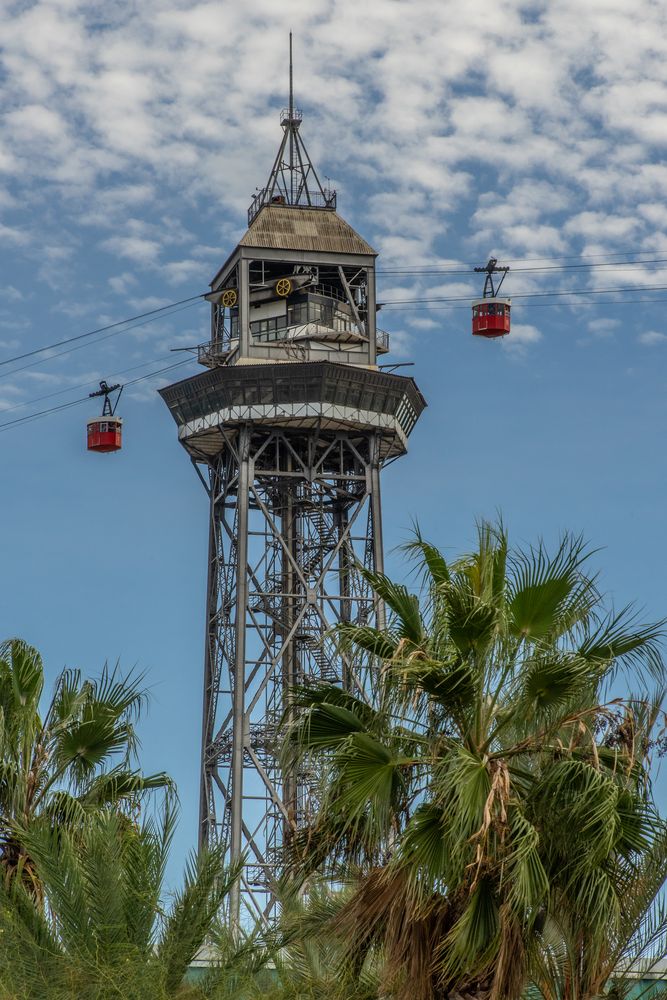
290	455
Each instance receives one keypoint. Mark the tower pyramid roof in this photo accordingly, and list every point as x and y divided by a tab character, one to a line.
290	227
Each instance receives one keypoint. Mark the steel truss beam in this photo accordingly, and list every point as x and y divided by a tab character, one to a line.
294	515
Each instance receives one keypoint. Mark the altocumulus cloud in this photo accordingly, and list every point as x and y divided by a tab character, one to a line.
509	85
523	335
652	337
449	129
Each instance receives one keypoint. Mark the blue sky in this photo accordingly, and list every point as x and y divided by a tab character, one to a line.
132	137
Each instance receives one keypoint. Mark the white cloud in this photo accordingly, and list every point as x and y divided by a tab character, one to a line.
11	234
603	327
452	289
143	252
652	337
177	272
122	283
520	338
139	92
524	333
148	303
602	226
423	323
401	345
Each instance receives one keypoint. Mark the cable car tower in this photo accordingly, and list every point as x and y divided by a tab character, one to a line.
288	428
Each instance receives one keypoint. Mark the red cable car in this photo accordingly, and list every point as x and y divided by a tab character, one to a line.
491	314
105	433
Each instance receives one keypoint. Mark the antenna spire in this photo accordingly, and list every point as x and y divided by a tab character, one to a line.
293	179
291	79
291	115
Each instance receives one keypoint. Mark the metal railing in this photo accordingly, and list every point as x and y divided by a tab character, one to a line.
315	200
382	340
214	352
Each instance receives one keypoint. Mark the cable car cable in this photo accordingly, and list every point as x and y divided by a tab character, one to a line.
404	308
621	264
530	305
151	314
590	256
29	417
416	271
80	385
101	329
527	260
398	304
100	340
529	295
17	421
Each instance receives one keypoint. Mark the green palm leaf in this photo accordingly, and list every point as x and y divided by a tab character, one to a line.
547	591
195	907
617	642
404	605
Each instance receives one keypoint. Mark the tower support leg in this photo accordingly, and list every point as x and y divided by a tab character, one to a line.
239	726
295	517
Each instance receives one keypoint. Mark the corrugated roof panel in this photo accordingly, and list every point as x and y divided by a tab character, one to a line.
283	227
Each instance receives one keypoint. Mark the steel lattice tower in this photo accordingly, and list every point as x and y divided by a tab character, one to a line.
288	430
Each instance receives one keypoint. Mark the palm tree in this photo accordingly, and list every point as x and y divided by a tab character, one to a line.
607	919
480	748
74	757
100	929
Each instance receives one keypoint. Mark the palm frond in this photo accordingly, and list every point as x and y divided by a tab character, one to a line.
551	681
404	605
468	949
549	593
617	641
207	882
423	846
24	670
491	804
471	621
381	644
370	778
433	562
121	695
118	784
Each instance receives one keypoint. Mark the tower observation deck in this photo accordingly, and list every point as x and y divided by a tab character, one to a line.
289	428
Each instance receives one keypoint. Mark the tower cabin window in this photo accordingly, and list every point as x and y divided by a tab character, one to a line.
319	311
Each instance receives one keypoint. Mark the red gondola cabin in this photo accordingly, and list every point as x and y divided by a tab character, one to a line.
491	317
105	434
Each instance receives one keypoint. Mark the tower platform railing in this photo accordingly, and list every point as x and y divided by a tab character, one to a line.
213	353
316	199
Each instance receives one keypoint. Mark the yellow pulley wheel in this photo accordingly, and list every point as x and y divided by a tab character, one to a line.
229	298
283	287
